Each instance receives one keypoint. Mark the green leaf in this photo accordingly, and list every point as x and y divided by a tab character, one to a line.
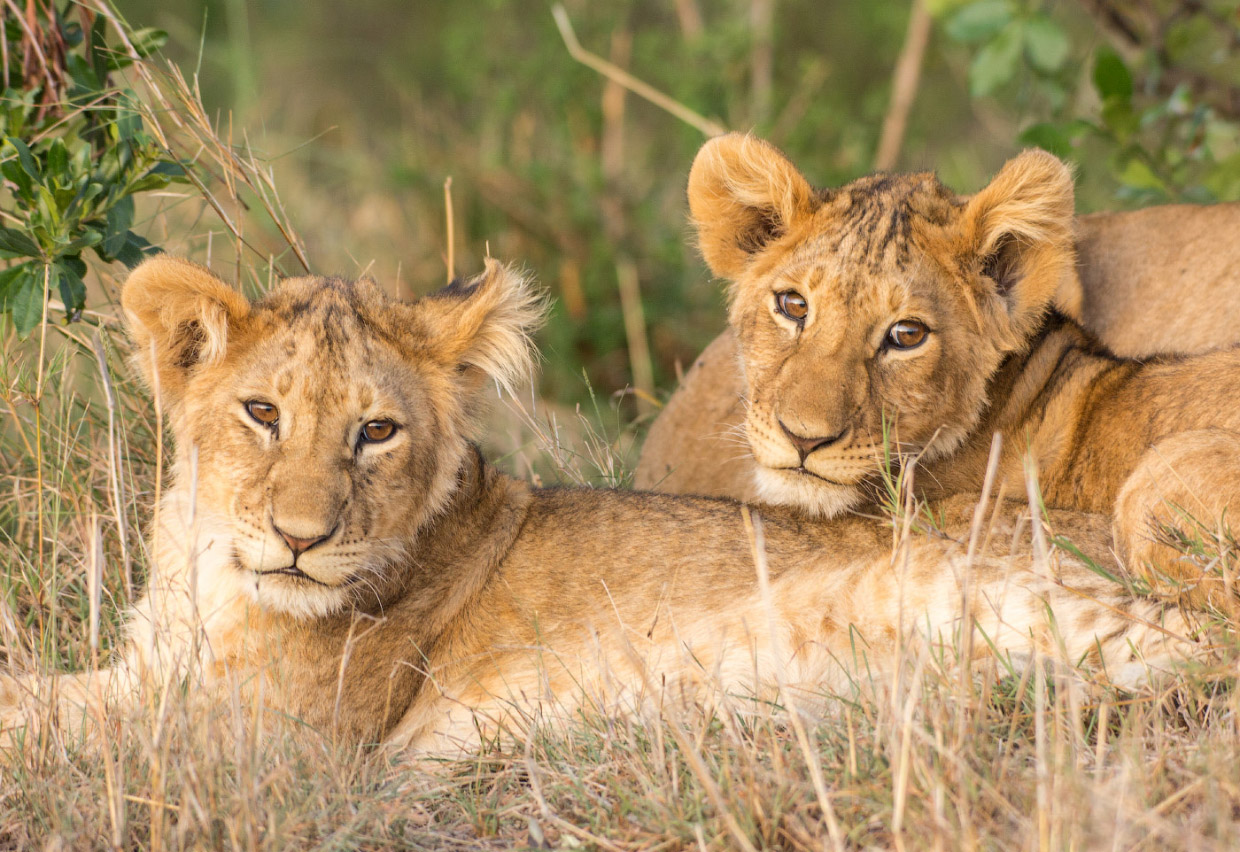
69	282
1046	43
12	240
75	263
979	21
1223	181
120	220
48	207
90	237
168	169
1111	77
1139	175
148	182
1048	136
995	64
26	301
99	47
7	277
25	158
1119	118
58	159
135	251
12	170
83	75
147	40
128	122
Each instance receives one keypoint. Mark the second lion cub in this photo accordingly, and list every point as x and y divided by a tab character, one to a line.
895	299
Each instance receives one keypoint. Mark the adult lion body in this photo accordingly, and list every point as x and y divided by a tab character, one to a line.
893	297
331	529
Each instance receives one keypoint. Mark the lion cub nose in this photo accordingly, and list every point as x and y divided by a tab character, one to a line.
301	545
805	446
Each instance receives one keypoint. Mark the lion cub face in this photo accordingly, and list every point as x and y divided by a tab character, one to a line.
876	312
322	426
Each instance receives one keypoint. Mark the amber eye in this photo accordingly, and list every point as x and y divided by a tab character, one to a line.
263	412
907	334
792	304
377	431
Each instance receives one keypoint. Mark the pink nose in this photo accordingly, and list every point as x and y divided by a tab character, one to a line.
301	545
805	446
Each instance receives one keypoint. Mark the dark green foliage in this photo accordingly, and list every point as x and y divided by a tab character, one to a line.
73	156
1145	92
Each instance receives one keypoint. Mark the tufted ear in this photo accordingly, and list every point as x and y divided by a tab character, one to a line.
743	193
484	326
1019	231
180	317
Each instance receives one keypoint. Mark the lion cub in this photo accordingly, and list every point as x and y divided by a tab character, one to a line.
331	529
893	303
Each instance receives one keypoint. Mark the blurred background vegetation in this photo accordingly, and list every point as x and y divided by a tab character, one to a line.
363	109
370	105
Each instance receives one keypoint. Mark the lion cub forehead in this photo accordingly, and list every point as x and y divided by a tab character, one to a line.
876	229
313	330
878	221
314	298
329	314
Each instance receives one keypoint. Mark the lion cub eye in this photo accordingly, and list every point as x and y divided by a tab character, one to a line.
263	412
907	334
377	431
792	304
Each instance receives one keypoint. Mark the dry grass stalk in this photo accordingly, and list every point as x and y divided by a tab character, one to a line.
761	59
450	261
635	333
114	463
689	17
633	84
904	82
611	145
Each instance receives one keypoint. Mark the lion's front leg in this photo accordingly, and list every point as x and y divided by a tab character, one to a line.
1175	514
73	705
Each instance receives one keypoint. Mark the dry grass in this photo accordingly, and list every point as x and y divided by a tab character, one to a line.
939	762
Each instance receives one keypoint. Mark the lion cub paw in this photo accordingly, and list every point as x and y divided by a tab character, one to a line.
1173	520
14	695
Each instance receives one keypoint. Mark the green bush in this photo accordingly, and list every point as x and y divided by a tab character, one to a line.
74	155
1146	95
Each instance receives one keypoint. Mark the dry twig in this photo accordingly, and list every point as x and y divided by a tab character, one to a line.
904	82
624	78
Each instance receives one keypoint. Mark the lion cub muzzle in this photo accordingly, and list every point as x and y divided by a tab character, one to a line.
307	515
804	446
300	545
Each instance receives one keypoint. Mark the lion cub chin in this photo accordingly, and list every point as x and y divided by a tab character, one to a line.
892	319
332	536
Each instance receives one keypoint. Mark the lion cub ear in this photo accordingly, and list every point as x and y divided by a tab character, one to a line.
1019	231
483	326
180	317
743	193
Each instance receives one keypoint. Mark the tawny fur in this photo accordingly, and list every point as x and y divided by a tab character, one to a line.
447	599
985	273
